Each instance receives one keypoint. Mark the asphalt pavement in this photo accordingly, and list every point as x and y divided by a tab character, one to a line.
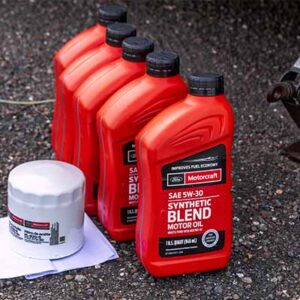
251	43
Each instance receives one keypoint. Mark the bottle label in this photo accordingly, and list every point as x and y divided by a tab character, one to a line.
205	168
128	213
129	156
193	219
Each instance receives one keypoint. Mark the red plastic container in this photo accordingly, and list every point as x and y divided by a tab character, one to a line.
118	121
184	159
75	75
89	98
83	42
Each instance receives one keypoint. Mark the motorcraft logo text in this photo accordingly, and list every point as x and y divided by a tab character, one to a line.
197	177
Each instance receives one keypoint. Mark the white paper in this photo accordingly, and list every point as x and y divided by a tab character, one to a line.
96	250
13	264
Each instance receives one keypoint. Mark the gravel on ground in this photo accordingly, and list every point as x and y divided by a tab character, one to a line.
252	43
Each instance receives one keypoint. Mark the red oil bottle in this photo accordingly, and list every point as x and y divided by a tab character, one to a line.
85	41
89	98
184	159
75	75
118	121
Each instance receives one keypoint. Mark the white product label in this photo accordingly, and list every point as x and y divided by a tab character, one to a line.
35	232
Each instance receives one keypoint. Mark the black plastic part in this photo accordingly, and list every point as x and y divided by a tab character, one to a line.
206	84
162	64
281	91
111	13
293	108
116	33
293	151
136	48
287	90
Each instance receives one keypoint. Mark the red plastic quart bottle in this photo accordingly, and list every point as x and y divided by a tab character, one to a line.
184	159
85	41
118	121
76	74
89	98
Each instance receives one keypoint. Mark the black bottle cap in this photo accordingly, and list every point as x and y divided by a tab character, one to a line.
111	13
136	48
162	64
206	84
117	32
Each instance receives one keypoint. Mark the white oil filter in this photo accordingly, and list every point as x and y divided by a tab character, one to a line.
46	209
